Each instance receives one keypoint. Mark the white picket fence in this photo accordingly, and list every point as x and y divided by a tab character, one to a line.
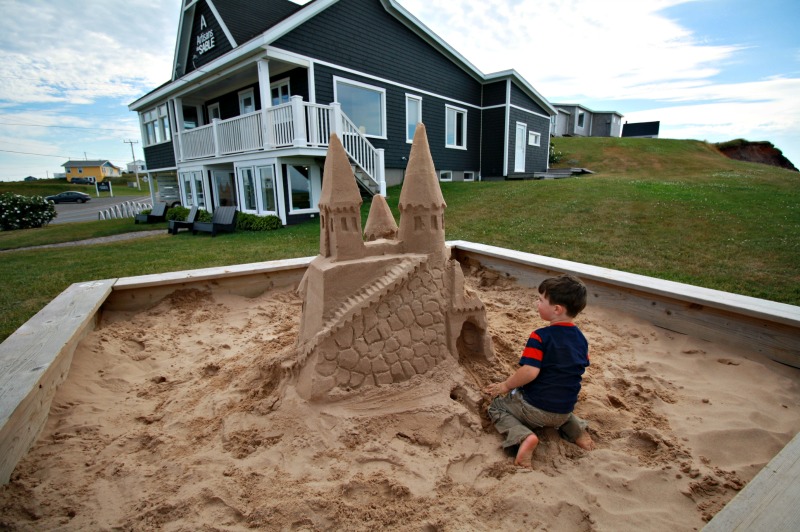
128	209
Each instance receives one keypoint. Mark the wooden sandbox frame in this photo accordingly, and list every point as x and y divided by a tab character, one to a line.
36	358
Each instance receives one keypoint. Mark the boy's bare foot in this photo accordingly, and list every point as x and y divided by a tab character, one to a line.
584	441
525	452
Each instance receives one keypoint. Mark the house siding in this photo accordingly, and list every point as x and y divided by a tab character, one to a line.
520	99
159	156
494	93
340	33
221	43
433	116
535	156
493	139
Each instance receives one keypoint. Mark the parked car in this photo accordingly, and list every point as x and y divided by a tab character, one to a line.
81	181
72	195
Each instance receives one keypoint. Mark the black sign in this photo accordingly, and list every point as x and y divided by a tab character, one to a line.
104	186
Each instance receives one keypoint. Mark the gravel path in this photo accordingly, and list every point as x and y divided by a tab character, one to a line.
100	240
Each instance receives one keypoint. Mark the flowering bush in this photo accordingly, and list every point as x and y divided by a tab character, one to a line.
24	212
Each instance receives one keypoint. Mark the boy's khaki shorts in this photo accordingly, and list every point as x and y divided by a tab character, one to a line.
516	418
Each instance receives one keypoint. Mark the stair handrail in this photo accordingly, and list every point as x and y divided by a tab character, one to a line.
368	159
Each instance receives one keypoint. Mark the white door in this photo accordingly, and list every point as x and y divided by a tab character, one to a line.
519	149
247	102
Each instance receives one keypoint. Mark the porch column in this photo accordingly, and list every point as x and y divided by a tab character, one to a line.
265	94
380	170
215	135
336	120
179	125
299	122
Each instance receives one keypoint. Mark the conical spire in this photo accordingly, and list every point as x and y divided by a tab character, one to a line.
421	185
339	189
380	222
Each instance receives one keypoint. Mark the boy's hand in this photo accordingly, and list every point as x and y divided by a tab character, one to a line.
497	388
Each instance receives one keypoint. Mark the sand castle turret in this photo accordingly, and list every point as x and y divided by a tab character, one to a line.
421	202
383	311
339	207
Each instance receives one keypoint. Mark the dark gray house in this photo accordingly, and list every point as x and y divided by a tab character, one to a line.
576	120
258	86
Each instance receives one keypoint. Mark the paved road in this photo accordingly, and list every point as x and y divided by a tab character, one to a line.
87	212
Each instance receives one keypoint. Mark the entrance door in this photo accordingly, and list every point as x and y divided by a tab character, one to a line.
247	102
248	201
519	147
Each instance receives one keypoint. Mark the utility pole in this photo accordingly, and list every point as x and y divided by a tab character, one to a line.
135	166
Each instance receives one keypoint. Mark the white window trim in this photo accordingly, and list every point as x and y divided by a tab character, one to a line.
382	91
446	175
471	174
447	108
534	138
260	190
279	83
418	99
316	186
156	121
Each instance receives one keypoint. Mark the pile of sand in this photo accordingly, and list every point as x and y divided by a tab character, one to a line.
180	418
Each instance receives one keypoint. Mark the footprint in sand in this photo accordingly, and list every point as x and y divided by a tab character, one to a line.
466	470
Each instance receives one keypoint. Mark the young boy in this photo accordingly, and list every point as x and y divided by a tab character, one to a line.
545	388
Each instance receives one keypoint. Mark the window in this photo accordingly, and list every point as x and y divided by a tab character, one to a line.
581	118
280	92
364	104
163	123
80	170
247	186
445	175
469	176
534	138
156	125
300	187
455	127
413	115
267	176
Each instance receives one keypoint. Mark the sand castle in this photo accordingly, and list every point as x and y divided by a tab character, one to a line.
387	309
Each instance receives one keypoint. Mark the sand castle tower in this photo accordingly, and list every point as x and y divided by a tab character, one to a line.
394	307
421	203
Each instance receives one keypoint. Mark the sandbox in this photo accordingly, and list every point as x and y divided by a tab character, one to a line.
148	402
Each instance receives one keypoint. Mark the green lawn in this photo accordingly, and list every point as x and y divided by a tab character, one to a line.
670	209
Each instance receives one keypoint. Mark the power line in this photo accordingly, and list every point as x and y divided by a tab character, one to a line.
39	154
61	127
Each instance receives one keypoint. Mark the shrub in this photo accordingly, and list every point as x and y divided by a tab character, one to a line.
24	212
250	222
556	156
177	213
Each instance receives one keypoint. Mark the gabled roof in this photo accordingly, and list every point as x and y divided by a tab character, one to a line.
85	163
561	105
250	25
246	19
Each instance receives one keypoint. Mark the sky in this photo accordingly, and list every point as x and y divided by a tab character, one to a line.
710	70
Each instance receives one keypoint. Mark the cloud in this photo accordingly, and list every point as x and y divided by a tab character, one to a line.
93	49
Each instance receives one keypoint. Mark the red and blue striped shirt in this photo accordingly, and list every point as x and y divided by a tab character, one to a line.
561	353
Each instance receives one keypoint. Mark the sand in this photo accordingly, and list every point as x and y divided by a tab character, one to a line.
180	417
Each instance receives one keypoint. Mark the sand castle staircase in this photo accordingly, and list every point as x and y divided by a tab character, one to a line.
367	296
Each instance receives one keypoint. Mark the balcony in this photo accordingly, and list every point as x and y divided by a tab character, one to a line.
296	124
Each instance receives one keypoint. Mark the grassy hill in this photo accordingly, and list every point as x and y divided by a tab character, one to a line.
672	209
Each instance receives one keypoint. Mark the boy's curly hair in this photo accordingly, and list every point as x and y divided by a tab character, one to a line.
566	290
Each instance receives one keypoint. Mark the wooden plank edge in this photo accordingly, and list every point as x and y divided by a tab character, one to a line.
754	507
35	360
739	304
204	274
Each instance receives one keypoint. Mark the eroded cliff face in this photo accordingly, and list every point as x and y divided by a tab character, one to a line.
763	152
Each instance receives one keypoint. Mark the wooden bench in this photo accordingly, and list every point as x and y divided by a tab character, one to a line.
224	219
157	214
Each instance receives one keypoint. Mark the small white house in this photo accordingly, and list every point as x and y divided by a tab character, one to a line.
137	166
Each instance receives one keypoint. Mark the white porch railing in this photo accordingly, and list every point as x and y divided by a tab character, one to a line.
293	124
